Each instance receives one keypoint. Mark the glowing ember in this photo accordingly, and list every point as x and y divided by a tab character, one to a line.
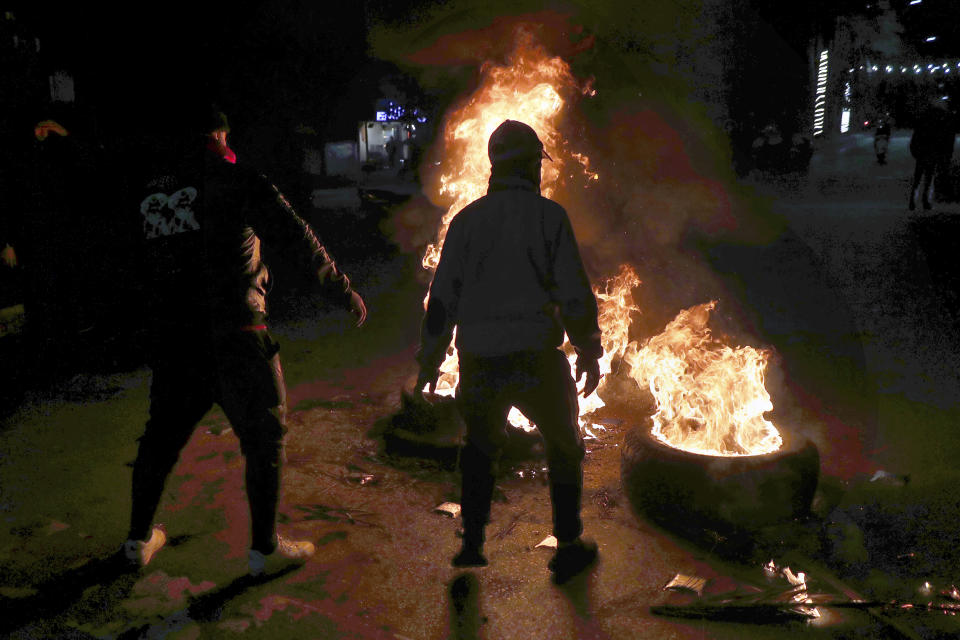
710	397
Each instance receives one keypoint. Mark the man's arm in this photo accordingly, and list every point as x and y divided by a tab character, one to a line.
577	305
436	330
280	226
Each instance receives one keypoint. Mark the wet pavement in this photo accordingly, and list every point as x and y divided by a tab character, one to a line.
856	296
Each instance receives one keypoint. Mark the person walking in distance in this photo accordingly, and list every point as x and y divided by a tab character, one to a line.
931	145
203	216
511	280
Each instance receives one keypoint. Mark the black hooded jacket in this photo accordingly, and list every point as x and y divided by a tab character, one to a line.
203	219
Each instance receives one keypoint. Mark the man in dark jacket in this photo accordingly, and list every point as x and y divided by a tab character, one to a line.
932	147
511	280
202	218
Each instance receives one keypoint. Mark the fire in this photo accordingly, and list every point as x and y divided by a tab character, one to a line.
710	397
532	87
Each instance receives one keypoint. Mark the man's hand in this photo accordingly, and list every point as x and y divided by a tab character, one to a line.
358	308
46	127
426	378
591	368
9	256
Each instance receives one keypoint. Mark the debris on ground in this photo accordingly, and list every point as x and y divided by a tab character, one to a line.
591	430
750	613
503	533
885	477
775	604
681	582
353	476
550	542
606	503
451	509
337	514
359	478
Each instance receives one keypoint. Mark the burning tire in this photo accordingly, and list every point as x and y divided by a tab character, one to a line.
743	492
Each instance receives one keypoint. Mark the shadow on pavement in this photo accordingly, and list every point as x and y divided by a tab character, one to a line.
209	606
464	607
56	595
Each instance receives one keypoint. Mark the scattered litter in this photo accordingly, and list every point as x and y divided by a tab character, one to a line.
749	613
353	475
951	593
681	582
550	542
771	570
451	509
925	589
336	514
605	502
360	478
801	597
503	533
610	422
532	473
889	478
56	526
219	430
588	433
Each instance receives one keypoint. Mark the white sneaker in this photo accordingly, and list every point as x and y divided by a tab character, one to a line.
286	553
141	552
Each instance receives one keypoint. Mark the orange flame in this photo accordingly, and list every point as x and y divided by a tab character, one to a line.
530	88
710	397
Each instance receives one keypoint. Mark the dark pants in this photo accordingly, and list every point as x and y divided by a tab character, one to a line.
242	374
924	173
539	384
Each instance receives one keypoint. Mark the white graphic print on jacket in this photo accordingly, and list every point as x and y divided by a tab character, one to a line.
165	215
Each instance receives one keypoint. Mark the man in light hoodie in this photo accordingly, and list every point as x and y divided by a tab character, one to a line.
511	280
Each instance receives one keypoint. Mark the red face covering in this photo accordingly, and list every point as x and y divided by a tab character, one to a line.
218	144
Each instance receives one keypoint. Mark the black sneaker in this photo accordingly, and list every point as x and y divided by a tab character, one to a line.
571	560
469	556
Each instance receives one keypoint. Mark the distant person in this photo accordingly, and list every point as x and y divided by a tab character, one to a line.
770	152
932	147
881	140
511	280
801	152
392	149
48	243
203	216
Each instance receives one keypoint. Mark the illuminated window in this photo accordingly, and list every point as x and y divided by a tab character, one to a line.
820	99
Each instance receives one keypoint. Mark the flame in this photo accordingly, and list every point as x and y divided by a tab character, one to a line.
532	87
710	397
